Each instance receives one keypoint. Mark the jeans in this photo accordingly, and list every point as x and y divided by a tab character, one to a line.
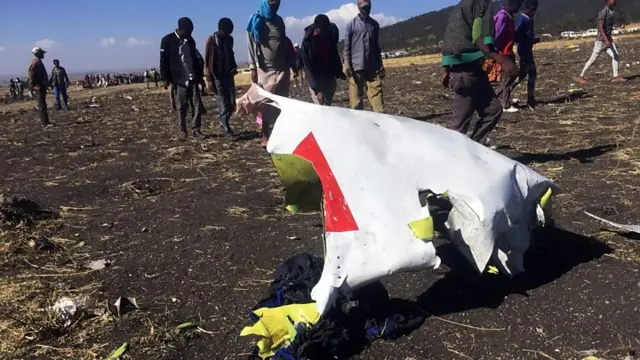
600	47
189	97
60	90
226	97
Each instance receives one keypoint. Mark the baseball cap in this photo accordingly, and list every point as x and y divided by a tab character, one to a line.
36	50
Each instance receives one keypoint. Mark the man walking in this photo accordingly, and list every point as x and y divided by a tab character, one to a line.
604	42
179	66
363	59
321	60
269	58
59	82
38	83
526	39
468	39
220	69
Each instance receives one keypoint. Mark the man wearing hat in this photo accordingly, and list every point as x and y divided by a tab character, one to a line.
363	59
38	83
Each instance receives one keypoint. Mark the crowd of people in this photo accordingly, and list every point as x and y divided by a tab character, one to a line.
103	80
477	50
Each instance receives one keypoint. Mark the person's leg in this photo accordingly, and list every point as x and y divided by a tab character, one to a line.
615	59
463	108
56	94
172	96
194	95
65	98
183	108
597	49
42	106
532	73
330	90
374	92
356	90
487	105
223	103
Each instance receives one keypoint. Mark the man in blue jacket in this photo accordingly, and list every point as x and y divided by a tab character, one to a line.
525	38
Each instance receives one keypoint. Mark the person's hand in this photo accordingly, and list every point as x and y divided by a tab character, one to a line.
348	71
382	73
254	76
445	79
166	85
607	43
536	40
320	97
508	66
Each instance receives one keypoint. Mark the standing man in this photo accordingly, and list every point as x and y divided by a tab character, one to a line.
505	33
525	37
147	77
19	89
321	60
59	82
13	90
468	39
154	73
363	59
38	83
220	69
269	58
604	42
179	66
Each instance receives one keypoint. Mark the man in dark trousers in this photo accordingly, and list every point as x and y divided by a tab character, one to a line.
220	69
179	67
467	41
321	60
38	84
59	82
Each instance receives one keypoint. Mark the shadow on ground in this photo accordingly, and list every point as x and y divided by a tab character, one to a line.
582	155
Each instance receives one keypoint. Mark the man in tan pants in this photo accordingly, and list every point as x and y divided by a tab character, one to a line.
363	59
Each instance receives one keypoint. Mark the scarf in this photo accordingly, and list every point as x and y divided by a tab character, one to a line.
256	22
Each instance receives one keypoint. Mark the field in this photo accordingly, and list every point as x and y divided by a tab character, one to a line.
193	230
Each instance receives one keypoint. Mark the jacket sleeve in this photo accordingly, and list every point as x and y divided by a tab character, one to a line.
335	59
376	45
234	65
31	75
253	57
304	58
165	63
209	57
66	77
500	26
348	35
199	61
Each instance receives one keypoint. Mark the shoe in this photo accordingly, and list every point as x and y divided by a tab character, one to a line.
582	80
618	79
199	135
532	102
511	109
47	126
183	135
488	143
226	131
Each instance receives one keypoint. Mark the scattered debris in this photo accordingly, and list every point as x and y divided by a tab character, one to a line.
118	352
21	209
293	238
590	352
43	244
125	305
70	309
619	227
186	326
98	264
144	230
128	97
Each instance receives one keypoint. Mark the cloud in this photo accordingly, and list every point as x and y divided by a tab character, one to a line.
46	44
340	17
135	42
106	42
3	49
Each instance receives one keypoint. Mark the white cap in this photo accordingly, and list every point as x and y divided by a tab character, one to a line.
37	50
296	45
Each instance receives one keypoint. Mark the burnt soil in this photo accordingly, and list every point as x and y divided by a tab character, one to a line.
195	229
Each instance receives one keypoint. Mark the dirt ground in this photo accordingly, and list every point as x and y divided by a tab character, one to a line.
194	230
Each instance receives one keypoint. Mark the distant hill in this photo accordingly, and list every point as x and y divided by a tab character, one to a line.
553	17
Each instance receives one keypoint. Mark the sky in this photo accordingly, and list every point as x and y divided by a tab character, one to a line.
114	35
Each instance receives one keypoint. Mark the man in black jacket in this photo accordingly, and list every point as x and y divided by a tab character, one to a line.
180	67
321	60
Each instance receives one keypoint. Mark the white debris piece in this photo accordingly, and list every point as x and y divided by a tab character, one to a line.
621	227
373	169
